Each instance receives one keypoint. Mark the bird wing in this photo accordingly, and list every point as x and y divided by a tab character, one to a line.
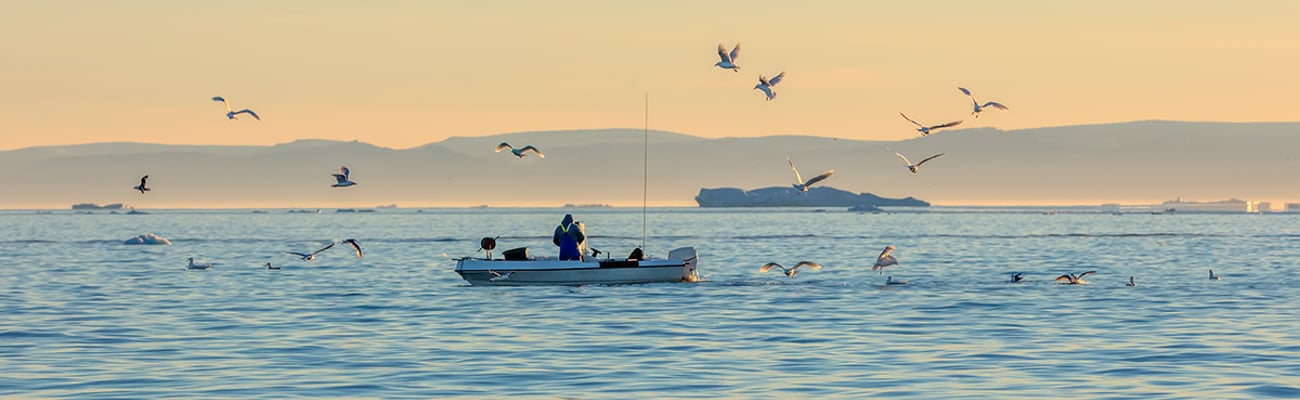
768	267
905	160
808	264
249	112
303	255
722	53
884	261
911	120
1065	277
504	146
144	178
1086	274
767	90
340	178
331	245
223	101
355	246
776	79
797	179
963	90
953	123
735	53
994	104
928	159
885	253
532	149
819	178
346	172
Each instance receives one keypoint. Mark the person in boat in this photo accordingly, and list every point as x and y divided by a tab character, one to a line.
568	236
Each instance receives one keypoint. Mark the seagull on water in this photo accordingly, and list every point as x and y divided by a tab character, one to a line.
913	167
312	255
197	266
342	178
355	246
1017	277
728	59
1132	281
141	187
269	266
520	151
792	271
978	108
803	185
890	281
766	85
230	113
885	259
1214	277
497	276
925	130
1072	279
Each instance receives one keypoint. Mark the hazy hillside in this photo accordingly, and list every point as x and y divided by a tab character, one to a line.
1147	161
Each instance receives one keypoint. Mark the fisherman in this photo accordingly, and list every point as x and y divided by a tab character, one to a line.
568	236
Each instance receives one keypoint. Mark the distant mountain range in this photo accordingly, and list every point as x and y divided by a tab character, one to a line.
1135	162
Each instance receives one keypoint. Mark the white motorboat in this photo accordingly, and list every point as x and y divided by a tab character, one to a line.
518	269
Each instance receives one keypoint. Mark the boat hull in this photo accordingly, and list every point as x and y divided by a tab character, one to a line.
678	267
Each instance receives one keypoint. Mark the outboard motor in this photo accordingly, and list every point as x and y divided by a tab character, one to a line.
691	258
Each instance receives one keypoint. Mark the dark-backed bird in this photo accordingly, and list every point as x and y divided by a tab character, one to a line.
978	108
766	85
885	259
925	130
230	113
141	187
312	255
792	271
343	178
803	185
913	167
728	59
355	246
520	152
1072	279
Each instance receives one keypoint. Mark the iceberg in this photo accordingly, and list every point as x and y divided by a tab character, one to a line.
148	238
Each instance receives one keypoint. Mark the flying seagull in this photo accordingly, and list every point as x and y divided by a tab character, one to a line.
925	130
355	246
1214	277
803	185
1017	277
230	113
913	167
141	187
978	107
890	281
312	255
342	178
197	266
497	276
1132	281
884	260
766	85
1072	279
792	271
520	151
728	60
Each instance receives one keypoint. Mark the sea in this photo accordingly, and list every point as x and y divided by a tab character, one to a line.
84	316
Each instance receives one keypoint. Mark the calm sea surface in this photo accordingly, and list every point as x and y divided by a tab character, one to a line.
84	316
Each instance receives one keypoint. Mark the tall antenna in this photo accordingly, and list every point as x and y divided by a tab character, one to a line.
645	172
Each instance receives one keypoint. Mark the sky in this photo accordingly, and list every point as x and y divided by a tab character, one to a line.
400	74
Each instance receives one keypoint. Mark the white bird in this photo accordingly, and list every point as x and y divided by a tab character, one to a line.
1214	277
925	130
792	271
913	167
803	185
269	266
141	187
728	60
497	276
766	85
197	266
355	246
1072	279
1132	281
312	255
342	178
978	107
1017	277
520	151
231	113
885	259
890	281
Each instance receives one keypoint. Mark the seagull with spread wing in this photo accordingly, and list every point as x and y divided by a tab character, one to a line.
766	85
1072	279
231	113
913	167
728	59
885	259
925	130
978	108
141	187
520	152
342	178
803	185
355	246
792	271
312	255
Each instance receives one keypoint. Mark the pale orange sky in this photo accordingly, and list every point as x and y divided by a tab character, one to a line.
404	73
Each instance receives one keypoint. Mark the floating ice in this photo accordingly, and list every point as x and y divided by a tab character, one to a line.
148	238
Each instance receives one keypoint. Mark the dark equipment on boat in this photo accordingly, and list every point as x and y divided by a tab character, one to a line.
637	254
516	254
487	244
